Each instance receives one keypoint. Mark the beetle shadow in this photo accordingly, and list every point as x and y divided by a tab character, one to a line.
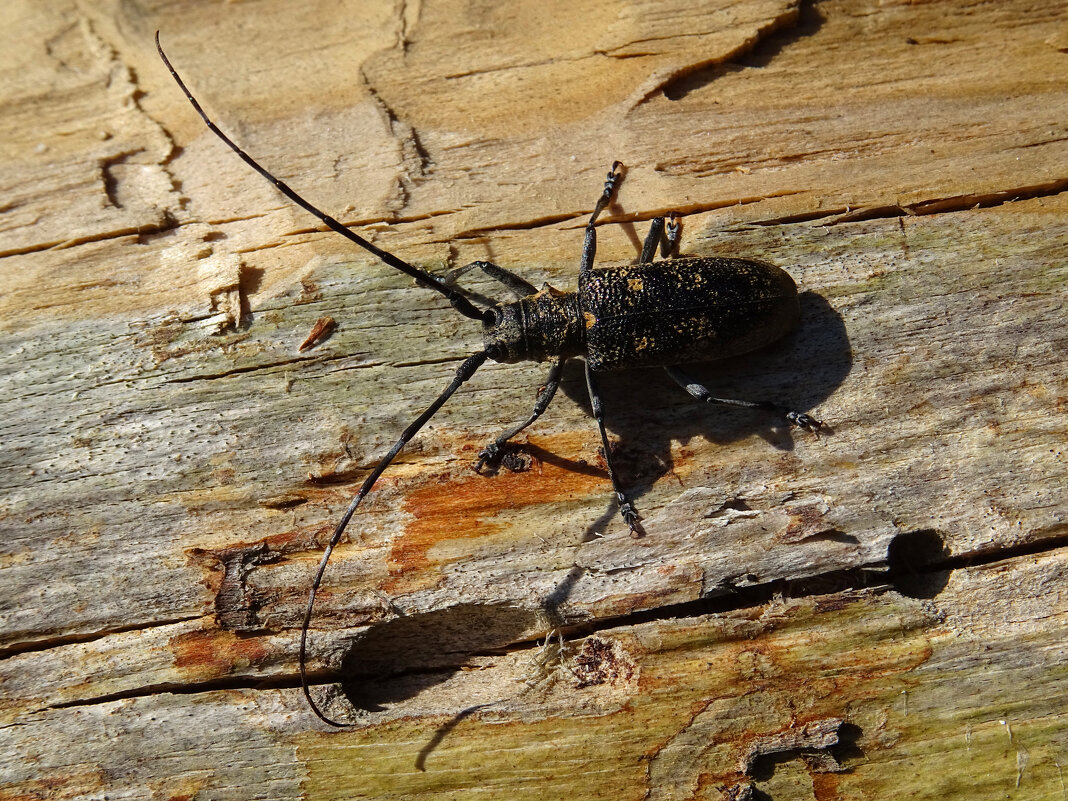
398	659
646	411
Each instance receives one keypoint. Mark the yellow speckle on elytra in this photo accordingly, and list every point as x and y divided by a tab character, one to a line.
589	318
635	284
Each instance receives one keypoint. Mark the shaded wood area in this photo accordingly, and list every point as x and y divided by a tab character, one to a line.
878	612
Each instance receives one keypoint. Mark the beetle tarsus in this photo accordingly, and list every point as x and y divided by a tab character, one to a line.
807	422
490	455
671	236
614	175
630	515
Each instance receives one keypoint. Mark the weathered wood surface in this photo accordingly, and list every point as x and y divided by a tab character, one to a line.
172	463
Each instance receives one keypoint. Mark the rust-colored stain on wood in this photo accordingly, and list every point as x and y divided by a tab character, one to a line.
70	785
825	786
467	505
205	655
805	522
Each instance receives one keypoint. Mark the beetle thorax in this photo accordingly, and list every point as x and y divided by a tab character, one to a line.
536	328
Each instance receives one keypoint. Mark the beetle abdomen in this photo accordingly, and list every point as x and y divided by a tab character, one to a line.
683	310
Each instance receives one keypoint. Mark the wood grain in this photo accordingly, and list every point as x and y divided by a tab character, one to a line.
875	613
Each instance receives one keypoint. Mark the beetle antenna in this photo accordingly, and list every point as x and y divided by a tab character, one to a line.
464	372
422	277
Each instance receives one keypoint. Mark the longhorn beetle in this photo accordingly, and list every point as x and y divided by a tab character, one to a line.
662	314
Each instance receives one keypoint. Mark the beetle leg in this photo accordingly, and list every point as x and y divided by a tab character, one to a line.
626	508
520	287
652	239
589	245
667	237
701	392
491	454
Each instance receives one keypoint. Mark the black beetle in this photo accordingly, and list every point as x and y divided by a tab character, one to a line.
650	314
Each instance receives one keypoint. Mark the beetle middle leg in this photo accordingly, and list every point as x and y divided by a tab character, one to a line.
702	393
589	251
589	244
491	454
626	508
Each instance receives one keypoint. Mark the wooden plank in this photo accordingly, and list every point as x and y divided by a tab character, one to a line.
173	462
952	697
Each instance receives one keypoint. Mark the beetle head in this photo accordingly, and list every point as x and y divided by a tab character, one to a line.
502	333
535	328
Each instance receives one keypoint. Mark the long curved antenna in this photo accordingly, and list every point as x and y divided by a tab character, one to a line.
458	301
464	372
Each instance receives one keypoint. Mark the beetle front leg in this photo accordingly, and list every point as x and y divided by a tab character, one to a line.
699	391
626	508
491	454
519	286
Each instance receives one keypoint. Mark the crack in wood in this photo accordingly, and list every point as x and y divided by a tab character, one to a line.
924	207
241	370
62	640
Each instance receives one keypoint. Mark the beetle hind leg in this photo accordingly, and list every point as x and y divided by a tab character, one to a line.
491	454
664	236
671	236
701	392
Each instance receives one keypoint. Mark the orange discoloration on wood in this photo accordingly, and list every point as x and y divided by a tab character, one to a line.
205	655
465	505
808	520
74	784
825	786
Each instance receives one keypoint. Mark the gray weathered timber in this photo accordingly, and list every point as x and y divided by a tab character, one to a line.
172	463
